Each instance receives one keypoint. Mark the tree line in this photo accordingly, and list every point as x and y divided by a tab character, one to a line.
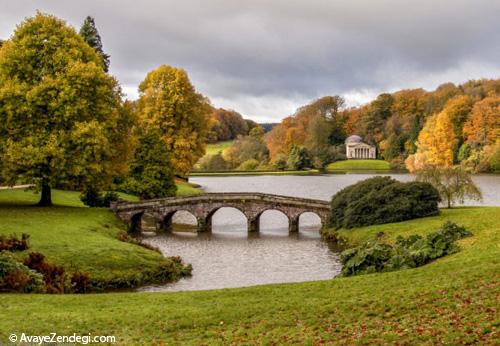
454	124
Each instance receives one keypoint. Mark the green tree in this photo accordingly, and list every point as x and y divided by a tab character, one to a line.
151	173
169	102
318	141
90	34
58	109
374	120
299	158
454	184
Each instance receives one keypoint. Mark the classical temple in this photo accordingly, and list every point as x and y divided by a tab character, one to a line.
355	148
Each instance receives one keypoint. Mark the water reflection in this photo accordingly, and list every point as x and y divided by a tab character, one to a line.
229	258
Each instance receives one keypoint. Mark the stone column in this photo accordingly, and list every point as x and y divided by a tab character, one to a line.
293	224
254	224
164	225
204	224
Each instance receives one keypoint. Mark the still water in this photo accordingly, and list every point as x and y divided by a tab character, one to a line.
230	257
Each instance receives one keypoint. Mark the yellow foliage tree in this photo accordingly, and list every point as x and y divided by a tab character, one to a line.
169	102
436	143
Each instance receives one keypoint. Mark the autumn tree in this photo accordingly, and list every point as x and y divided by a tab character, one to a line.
58	109
293	131
226	125
483	126
436	143
169	102
454	184
90	34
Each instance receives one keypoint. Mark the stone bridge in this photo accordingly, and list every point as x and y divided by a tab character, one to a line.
204	206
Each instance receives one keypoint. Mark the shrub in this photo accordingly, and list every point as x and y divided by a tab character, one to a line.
94	198
410	252
12	243
80	282
343	198
249	165
382	200
54	276
280	163
213	163
16	277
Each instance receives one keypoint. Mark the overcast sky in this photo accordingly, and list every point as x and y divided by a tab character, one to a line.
265	58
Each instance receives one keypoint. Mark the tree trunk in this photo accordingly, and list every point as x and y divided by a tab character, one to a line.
449	202
46	198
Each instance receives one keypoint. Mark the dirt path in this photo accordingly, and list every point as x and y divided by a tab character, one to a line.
15	187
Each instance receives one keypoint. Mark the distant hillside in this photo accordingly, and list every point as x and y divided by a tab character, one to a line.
268	126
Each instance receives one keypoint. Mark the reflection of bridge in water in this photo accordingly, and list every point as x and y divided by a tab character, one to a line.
204	206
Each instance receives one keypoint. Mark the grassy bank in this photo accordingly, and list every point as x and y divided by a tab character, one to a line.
450	301
187	189
78	238
241	173
359	165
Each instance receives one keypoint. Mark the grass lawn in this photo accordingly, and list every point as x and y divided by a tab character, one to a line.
359	165
215	148
453	300
77	237
187	189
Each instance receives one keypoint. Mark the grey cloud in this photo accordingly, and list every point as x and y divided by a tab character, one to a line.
264	58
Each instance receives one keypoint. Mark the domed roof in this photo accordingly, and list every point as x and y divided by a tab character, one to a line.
353	139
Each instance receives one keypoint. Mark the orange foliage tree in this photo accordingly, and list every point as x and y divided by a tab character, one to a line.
483	126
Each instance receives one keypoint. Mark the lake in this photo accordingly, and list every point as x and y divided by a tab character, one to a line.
231	257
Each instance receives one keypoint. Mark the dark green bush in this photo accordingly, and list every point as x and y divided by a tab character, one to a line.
382	200
410	252
16	277
94	198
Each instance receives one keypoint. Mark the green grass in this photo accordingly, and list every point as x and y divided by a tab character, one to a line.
215	148
359	165
187	189
453	300
72	235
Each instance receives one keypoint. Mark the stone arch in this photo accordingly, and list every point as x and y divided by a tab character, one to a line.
211	213
318	215
134	224
254	223
166	222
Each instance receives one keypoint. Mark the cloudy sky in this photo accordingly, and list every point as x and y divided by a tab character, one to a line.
265	58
